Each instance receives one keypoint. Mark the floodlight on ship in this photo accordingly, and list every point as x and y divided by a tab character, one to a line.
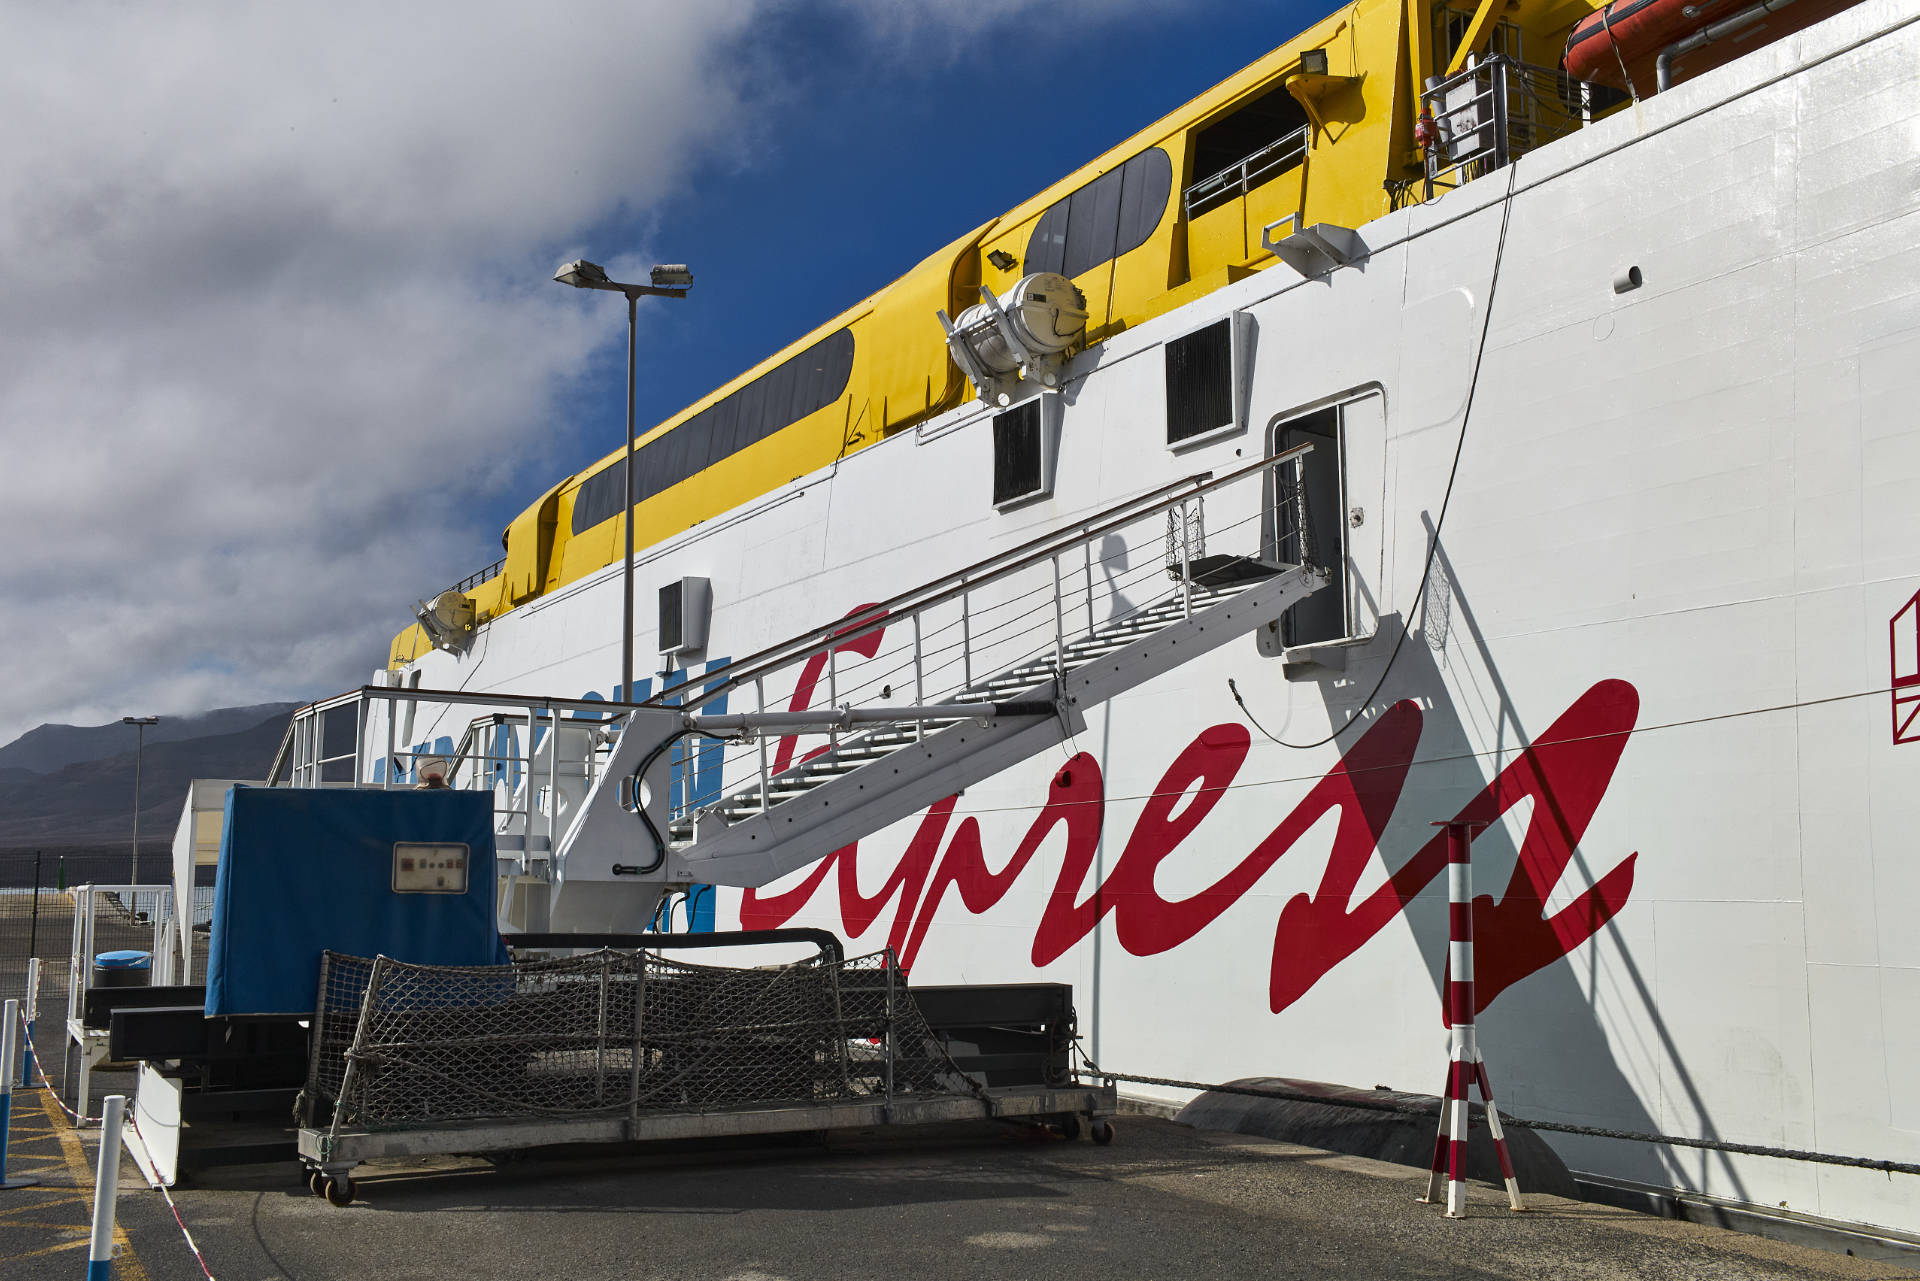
448	620
1025	334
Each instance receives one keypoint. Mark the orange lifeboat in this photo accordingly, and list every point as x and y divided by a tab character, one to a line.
1624	40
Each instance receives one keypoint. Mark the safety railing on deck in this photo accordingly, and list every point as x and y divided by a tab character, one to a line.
1005	624
538	755
1238	179
1498	109
480	576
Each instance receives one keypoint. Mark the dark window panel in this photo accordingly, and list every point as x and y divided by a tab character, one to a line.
1047	248
1200	382
801	385
1112	215
1146	183
1092	224
1016	452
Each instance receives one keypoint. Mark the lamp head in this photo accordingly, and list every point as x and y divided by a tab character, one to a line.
672	275
582	274
1313	62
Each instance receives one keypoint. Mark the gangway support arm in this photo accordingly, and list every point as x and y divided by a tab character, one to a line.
607	868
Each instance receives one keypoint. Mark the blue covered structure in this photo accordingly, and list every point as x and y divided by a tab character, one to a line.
304	871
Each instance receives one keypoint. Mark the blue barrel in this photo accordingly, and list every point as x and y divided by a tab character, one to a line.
126	968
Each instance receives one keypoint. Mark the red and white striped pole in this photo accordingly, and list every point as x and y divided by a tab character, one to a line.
1465	1069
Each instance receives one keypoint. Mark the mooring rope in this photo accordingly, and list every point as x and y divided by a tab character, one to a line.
1558	1127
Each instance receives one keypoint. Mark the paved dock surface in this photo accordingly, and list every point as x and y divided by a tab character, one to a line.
972	1202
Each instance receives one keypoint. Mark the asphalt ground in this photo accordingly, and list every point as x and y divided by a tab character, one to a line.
980	1201
44	1229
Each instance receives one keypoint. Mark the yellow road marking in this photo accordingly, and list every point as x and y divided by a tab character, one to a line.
80	1244
126	1266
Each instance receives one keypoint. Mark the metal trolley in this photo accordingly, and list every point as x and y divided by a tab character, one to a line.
624	1044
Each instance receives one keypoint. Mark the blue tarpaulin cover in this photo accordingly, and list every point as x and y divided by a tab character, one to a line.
304	871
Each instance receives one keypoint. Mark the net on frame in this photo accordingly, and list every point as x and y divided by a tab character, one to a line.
398	1046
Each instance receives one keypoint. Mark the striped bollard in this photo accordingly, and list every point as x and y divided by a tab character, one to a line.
1466	1069
106	1190
9	1048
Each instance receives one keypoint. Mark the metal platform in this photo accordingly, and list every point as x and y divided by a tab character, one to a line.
335	1154
616	1047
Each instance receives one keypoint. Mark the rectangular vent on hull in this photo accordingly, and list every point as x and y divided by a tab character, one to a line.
684	609
1019	455
1200	382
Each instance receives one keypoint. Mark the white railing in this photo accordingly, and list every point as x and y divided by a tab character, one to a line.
1498	109
1243	176
1033	611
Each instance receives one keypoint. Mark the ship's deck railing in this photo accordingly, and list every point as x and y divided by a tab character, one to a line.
1498	109
518	748
1238	179
478	577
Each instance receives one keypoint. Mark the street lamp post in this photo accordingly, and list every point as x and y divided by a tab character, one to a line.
669	281
139	724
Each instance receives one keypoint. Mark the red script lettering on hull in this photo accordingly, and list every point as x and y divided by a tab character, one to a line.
1565	773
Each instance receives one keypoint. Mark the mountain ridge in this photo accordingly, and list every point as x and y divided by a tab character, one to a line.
50	747
91	801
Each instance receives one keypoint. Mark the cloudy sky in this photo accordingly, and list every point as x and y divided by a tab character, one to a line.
280	351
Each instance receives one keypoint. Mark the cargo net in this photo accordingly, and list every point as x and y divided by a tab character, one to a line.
397	1046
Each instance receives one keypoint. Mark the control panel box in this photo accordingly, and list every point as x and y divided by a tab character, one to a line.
420	867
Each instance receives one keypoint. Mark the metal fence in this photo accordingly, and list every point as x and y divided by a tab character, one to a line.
399	1046
37	918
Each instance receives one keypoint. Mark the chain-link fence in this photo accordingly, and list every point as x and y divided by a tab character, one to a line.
37	919
399	1046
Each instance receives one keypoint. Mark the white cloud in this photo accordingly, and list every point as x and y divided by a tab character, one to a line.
272	280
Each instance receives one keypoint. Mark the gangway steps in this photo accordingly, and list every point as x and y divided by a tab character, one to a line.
1025	678
761	830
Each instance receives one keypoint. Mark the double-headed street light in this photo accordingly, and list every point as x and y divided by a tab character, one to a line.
669	281
139	724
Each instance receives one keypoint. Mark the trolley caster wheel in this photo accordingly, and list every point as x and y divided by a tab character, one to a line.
339	1190
1069	1126
316	1182
1103	1132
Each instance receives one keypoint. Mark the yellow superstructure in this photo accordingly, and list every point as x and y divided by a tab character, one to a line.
1321	129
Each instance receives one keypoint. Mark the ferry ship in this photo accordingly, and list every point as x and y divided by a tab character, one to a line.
1501	411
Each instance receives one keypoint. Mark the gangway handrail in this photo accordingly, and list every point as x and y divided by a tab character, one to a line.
981	573
395	693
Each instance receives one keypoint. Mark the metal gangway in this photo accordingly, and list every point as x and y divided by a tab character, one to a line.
856	723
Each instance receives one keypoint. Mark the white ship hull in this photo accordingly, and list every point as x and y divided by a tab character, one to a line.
1685	519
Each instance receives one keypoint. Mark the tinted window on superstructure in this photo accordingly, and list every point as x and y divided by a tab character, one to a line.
1200	382
1110	216
1017	465
798	386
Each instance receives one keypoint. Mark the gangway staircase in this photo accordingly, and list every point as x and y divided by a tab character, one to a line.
885	763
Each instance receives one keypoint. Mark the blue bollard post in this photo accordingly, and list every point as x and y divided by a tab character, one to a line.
9	1048
106	1188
